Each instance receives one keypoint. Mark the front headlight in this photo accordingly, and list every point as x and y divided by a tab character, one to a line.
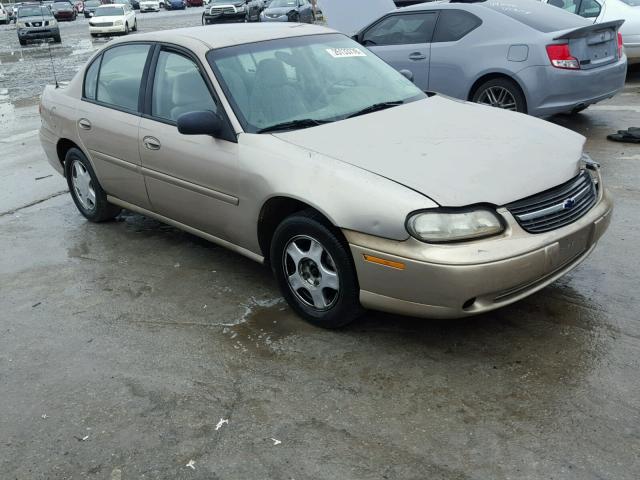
454	225
53	23
117	22
240	9
22	25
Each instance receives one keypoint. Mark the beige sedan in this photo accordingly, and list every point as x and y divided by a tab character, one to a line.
297	147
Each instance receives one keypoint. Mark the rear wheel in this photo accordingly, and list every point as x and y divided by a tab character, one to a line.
315	271
135	26
126	29
501	93
85	189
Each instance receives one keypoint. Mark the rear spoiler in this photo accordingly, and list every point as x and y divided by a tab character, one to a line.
582	31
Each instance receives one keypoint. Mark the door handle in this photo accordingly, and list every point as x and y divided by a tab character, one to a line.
151	143
84	124
417	56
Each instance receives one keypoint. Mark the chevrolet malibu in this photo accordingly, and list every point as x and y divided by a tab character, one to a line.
294	146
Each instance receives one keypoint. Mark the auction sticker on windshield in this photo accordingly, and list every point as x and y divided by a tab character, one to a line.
345	52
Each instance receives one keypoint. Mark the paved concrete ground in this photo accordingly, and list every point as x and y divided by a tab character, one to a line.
122	345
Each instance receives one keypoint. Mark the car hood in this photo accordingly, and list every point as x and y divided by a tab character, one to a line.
36	18
106	19
454	152
279	10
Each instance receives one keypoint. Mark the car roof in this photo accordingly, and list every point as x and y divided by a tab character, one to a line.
227	35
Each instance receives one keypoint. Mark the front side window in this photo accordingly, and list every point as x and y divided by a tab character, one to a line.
402	29
315	78
178	88
454	25
121	74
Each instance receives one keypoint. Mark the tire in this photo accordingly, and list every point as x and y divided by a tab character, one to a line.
493	89
94	35
126	28
135	26
96	208
329	262
57	39
22	42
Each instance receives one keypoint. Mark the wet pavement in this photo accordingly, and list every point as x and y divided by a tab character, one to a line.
123	345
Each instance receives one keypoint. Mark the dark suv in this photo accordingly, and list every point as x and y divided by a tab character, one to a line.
36	22
219	11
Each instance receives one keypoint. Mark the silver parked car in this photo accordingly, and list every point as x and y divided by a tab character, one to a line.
515	54
293	145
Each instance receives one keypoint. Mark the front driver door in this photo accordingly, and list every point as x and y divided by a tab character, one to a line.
190	179
403	40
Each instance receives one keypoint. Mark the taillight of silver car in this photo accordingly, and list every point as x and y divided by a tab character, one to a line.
560	56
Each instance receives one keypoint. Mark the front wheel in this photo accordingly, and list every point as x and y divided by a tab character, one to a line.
501	93
85	189
57	39
315	271
126	29
135	26
22	42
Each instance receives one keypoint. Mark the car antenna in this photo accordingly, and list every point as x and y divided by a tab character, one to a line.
53	68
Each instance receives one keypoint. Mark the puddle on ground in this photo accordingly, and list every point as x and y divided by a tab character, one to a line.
265	327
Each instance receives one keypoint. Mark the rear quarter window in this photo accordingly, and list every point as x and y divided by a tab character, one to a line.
539	16
452	25
91	79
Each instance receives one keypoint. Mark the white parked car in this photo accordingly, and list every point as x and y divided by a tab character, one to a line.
150	6
607	10
110	19
4	15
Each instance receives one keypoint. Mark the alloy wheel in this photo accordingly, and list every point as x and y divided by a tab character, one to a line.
499	97
82	186
311	272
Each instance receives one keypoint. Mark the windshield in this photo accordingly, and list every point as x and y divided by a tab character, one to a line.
317	77
226	2
632	3
92	3
283	3
108	12
33	12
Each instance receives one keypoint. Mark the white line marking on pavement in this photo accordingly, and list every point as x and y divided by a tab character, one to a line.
614	108
629	157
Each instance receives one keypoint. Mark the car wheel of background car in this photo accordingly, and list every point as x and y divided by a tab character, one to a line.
135	26
94	35
22	42
57	39
126	28
501	93
314	269
85	190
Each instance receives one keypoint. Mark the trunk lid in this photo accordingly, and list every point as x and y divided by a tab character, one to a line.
593	45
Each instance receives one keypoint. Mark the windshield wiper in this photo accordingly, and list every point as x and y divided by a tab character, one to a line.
375	108
293	125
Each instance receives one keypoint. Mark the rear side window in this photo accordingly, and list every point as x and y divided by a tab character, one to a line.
120	76
402	29
455	24
537	15
91	79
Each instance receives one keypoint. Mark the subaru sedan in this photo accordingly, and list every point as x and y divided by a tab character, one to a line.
296	147
519	55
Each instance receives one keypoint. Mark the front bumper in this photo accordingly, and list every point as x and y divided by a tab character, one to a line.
149	8
37	33
225	18
105	30
551	90
459	280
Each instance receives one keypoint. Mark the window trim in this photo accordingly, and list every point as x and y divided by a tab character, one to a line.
227	132
363	32
141	92
435	29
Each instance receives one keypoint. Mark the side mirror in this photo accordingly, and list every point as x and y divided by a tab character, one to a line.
200	123
407	73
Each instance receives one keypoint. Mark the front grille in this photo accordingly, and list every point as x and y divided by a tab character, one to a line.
556	207
37	24
221	10
103	24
